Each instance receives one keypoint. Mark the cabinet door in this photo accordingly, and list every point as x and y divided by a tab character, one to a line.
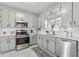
11	19
45	42
12	43
5	18
4	44
51	45
39	40
66	17
33	39
76	13
25	18
30	21
0	21
41	21
78	48
35	22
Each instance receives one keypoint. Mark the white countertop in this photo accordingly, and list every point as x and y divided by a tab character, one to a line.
7	35
65	37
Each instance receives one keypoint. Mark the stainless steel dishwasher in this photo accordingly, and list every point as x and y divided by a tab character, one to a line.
65	48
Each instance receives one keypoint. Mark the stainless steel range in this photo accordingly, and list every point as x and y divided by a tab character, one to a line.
22	39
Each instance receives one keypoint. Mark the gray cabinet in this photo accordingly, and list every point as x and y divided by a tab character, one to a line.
78	48
7	18
0	21
66	18
39	40
12	43
51	45
33	39
11	19
30	21
7	43
25	18
3	44
76	13
45	42
4	14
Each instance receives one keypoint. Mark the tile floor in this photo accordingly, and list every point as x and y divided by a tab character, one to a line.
28	52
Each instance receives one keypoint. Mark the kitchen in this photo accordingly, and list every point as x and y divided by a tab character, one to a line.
50	30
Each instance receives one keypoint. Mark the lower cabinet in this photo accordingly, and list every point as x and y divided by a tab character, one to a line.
51	46
11	43
7	43
39	40
3	44
48	43
45	42
33	39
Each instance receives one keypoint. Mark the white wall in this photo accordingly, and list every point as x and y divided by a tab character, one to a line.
44	13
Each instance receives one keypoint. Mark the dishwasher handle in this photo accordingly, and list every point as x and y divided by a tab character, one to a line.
67	40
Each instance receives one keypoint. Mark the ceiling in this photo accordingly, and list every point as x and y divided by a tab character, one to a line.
34	7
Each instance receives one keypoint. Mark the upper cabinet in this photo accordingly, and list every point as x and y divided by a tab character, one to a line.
66	17
75	14
4	15
11	18
25	18
21	17
30	21
7	18
41	21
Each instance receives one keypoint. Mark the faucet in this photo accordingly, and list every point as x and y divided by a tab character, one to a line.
54	33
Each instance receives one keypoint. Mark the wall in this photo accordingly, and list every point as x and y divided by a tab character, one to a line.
44	13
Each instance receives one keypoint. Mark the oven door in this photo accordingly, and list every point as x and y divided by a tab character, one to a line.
20	41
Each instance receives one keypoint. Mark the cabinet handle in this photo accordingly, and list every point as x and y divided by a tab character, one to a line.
39	38
8	41
47	41
74	23
33	37
8	25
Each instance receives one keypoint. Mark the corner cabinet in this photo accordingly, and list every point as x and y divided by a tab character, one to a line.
7	43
